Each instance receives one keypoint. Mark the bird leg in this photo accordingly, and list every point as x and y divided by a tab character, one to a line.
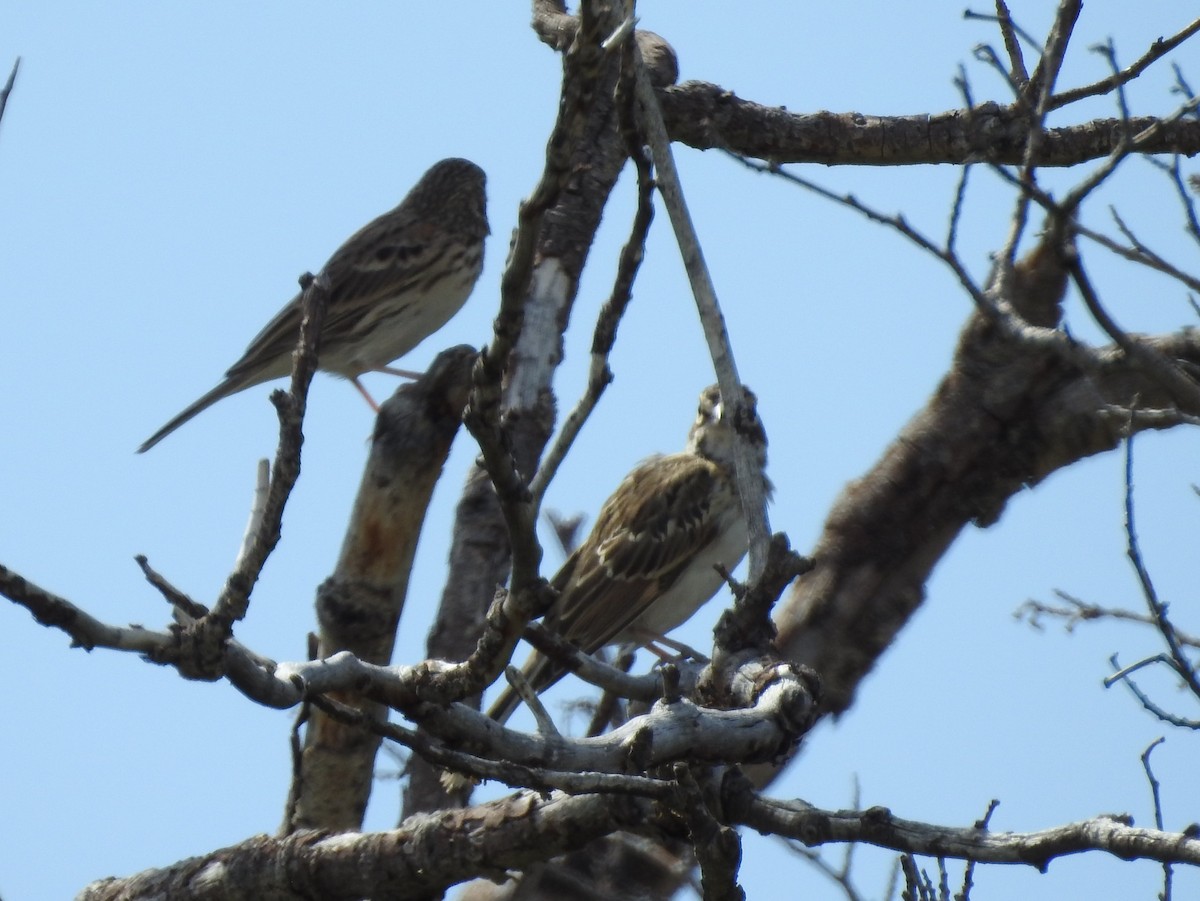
651	641
366	394
403	373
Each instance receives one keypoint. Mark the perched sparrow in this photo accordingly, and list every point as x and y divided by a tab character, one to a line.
647	565
394	283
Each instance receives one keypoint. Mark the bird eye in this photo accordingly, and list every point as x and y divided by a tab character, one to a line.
405	252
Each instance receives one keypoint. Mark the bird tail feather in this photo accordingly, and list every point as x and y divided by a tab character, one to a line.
226	388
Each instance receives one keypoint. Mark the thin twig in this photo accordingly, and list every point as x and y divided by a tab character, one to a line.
8	86
545	724
985	53
960	196
1158	816
749	481
1011	31
837	875
897	223
232	603
591	669
1138	252
599	374
1154	786
1157	609
296	746
1185	390
1080	611
512	774
1016	75
1125	146
943	879
969	870
611	705
176	598
1181	84
1108	49
1006	24
1157	51
1122	674
1041	86
258	506
1185	196
985	302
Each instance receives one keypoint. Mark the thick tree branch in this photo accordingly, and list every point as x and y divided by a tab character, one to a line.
359	606
878	826
585	154
710	117
431	852
605	334
1007	415
426	855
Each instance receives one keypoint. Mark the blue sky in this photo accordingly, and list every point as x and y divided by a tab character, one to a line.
168	170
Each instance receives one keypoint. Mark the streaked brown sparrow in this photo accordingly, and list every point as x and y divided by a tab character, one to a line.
648	563
392	284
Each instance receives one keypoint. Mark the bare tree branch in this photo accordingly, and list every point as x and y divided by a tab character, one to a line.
605	335
556	227
431	852
359	606
1157	51
750	485
1079	611
198	651
709	117
878	826
8	86
1158	610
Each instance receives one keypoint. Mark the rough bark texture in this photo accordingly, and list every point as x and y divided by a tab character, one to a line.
359	606
1005	417
1008	413
707	117
479	553
425	856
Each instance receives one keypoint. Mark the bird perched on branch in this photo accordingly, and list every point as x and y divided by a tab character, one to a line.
392	284
648	563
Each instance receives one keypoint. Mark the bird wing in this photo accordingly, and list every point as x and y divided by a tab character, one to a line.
646	535
387	256
273	344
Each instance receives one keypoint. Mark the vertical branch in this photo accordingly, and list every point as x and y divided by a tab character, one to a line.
359	606
1012	44
584	156
750	486
234	599
1158	610
1168	872
1040	90
201	646
605	335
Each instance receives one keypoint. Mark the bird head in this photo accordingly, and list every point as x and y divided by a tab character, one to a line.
452	190
714	433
